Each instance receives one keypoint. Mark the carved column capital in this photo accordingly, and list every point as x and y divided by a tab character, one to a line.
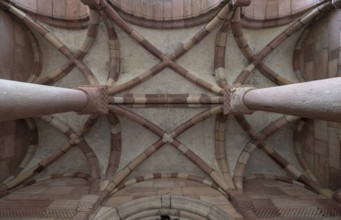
97	100
237	105
234	100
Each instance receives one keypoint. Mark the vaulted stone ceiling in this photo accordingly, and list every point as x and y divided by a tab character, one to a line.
169	145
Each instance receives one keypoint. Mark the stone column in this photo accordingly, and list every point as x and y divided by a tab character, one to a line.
20	100
320	99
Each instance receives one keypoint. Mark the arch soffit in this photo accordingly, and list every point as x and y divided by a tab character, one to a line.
272	13
59	13
169	204
167	13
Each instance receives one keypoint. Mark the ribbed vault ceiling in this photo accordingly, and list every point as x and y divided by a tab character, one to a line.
169	137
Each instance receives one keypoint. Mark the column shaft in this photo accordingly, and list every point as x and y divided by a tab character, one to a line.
20	100
319	99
